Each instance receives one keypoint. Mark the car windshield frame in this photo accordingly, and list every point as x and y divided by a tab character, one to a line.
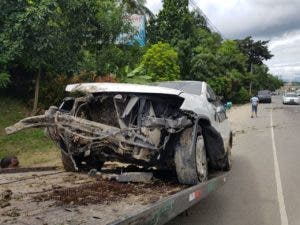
190	87
265	92
291	95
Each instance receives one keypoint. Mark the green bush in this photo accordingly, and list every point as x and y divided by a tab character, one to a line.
159	63
4	79
242	96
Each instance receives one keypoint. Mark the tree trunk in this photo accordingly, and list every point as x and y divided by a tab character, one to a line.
36	92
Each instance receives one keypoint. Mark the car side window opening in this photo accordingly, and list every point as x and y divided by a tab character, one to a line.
220	114
210	94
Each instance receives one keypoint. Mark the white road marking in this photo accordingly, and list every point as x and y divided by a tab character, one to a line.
283	214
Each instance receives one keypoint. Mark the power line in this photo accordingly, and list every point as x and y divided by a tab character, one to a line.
194	5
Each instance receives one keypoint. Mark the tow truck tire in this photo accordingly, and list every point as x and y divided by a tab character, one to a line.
190	162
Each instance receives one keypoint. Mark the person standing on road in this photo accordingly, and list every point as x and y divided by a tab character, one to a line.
254	102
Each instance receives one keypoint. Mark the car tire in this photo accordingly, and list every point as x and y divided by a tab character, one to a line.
190	161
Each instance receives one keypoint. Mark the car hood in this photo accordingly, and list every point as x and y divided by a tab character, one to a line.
120	87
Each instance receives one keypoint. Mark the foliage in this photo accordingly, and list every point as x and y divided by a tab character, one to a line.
242	96
51	37
4	79
256	51
75	41
230	57
204	66
229	86
176	25
160	63
263	80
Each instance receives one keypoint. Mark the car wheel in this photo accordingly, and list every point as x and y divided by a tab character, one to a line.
190	161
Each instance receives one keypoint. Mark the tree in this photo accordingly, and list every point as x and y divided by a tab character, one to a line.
4	79
176	25
173	23
256	51
52	36
160	63
204	66
230	57
262	79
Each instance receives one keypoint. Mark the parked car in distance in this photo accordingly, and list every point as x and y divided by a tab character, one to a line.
291	98
264	96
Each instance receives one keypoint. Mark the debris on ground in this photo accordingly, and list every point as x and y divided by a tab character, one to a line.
14	212
135	177
5	198
104	191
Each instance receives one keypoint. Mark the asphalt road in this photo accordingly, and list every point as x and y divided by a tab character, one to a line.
264	184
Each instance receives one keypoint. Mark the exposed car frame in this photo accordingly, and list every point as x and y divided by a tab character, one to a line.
150	126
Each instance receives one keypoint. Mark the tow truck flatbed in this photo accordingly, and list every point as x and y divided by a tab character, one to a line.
163	211
58	197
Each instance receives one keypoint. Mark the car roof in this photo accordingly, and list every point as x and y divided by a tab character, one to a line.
120	87
191	87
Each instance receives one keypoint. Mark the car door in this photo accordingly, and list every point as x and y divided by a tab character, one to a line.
218	111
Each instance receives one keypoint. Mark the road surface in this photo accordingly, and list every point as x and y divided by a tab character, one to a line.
264	184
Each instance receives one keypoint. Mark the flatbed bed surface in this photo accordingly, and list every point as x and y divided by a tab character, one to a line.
58	197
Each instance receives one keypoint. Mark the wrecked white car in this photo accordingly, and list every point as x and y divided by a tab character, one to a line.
179	126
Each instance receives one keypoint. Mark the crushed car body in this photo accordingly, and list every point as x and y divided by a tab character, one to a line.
179	126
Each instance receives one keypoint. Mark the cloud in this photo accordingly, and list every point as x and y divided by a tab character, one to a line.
240	18
286	48
260	18
154	5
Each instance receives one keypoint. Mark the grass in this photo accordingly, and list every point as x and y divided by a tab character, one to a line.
32	147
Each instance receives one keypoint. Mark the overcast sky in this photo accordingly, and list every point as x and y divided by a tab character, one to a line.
274	20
